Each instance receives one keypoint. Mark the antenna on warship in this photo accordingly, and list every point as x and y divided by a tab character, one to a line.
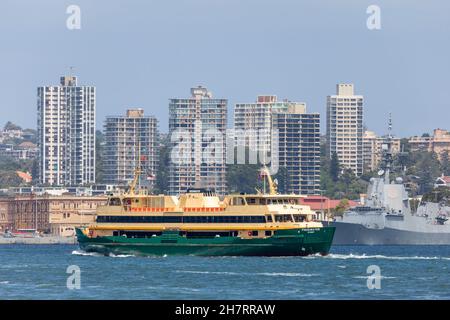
390	126
387	151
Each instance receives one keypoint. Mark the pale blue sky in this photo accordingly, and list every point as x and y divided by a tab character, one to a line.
141	53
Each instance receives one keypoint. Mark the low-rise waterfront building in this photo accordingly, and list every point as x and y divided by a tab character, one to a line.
5	217
94	190
30	213
56	215
24	151
66	213
442	181
7	134
438	143
373	150
323	206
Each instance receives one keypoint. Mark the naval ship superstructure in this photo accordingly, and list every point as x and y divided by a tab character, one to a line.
386	218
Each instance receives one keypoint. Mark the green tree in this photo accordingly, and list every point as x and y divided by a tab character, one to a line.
243	178
11	126
405	146
437	195
445	163
35	171
336	184
341	207
8	168
162	175
99	156
334	167
9	179
282	177
427	168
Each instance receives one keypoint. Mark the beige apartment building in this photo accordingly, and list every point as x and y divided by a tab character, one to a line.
438	143
5	218
345	127
127	138
57	215
65	213
372	150
197	157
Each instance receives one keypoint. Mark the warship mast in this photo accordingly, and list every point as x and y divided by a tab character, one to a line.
387	153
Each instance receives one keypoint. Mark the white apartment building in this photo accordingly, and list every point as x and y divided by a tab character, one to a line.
253	121
297	138
66	133
345	127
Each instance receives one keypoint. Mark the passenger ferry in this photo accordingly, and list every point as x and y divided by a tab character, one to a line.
200	223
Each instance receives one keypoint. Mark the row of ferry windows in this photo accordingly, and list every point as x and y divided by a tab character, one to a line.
201	234
237	201
198	219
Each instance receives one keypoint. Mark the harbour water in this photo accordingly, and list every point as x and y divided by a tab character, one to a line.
407	272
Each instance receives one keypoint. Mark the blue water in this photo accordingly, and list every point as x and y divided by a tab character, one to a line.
407	272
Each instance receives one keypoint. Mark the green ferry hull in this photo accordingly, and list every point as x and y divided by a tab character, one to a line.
293	242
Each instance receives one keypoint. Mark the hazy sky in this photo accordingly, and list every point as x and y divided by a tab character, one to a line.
141	53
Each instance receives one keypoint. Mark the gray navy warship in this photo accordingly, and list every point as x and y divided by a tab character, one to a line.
386	218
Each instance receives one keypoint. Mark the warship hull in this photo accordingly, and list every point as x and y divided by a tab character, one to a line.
295	242
357	234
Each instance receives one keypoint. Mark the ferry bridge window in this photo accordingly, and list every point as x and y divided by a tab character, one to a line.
298	218
114	202
238	201
283	218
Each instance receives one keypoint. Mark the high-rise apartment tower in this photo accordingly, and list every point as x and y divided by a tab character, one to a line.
66	133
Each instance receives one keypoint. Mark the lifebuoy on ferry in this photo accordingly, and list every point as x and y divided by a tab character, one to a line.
91	233
250	233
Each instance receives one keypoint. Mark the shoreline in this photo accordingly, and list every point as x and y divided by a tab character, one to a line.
39	240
